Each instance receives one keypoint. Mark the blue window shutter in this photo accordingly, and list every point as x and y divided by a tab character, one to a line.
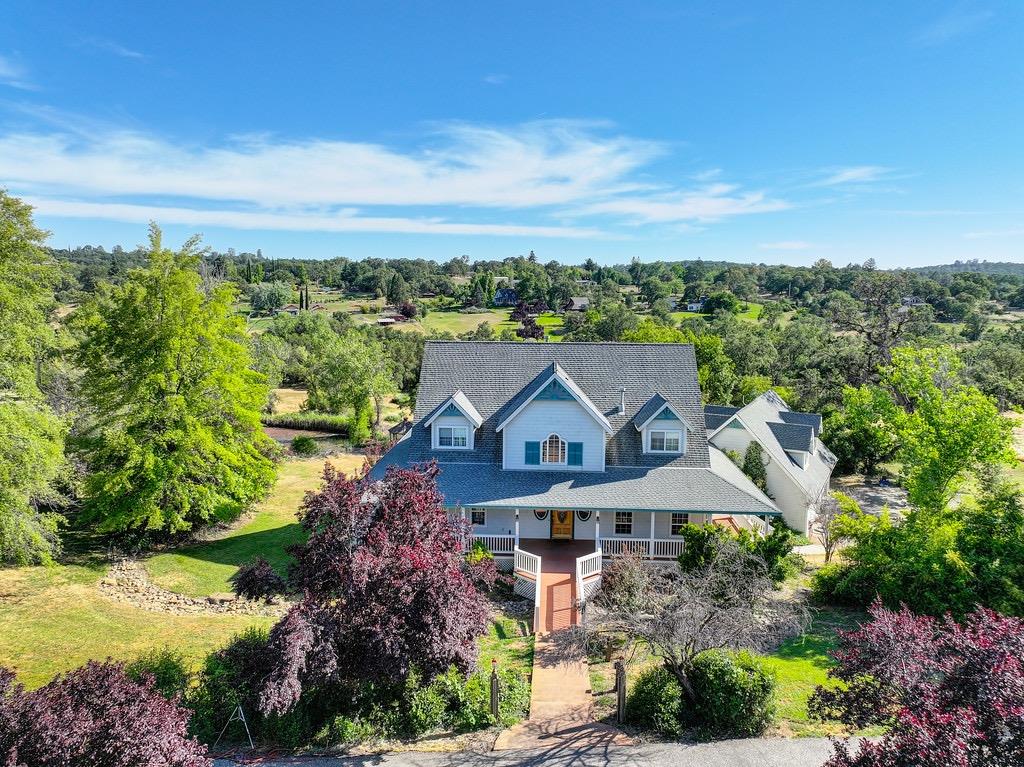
533	453
575	453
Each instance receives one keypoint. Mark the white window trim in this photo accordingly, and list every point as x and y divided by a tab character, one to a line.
680	436
478	511
616	522
563	451
672	524
453	446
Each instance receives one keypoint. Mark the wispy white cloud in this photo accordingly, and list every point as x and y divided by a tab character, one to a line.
496	78
709	203
959	20
854	174
111	46
1015	232
14	74
787	245
345	220
555	171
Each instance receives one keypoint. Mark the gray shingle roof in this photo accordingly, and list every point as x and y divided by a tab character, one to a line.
494	376
649	410
793	436
721	409
763	418
721	488
809	419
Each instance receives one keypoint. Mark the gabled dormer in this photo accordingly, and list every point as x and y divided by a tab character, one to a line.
662	428
453	423
552	425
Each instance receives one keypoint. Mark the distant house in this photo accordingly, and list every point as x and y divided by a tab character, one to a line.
576	304
506	297
291	309
385	320
696	306
586	283
912	301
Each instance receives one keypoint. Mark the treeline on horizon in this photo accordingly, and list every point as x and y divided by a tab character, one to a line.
951	289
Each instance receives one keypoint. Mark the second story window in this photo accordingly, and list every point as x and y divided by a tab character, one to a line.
552	450
666	441
452	436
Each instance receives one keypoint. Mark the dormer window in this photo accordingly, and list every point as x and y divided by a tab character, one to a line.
452	437
666	441
553	450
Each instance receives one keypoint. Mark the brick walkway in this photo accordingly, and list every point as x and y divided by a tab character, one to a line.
561	704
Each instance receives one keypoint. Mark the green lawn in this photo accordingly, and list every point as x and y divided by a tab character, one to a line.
205	568
800	665
750	315
54	619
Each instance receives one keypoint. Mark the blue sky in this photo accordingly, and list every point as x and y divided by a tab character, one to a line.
758	131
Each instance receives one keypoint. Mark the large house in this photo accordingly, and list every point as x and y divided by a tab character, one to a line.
602	443
560	455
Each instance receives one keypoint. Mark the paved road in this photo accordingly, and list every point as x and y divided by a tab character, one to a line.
756	752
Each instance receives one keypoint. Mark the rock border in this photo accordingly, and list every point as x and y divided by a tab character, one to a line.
128	582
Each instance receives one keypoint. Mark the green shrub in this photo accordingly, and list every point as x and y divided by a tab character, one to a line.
170	672
478	552
302	445
656	703
734	693
329	422
843	584
344	730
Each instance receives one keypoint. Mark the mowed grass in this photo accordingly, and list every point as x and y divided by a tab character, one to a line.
205	568
801	664
752	313
54	619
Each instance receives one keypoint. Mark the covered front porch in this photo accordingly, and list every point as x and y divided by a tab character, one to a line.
652	534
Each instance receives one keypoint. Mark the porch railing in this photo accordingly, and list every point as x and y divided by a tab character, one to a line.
659	548
496	544
527	573
588	576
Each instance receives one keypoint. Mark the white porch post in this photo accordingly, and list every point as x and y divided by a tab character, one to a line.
465	530
652	535
597	531
517	528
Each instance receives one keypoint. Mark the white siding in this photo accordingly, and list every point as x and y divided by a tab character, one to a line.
450	420
565	418
784	490
665	425
498	522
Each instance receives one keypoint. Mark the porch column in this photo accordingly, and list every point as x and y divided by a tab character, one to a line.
597	531
468	539
652	534
517	528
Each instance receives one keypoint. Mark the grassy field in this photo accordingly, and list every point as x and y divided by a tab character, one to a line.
53	619
205	568
750	315
291	401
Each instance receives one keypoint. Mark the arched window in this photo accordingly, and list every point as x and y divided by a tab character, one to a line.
552	450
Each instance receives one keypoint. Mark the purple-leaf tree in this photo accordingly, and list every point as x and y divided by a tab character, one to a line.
257	580
95	716
949	694
386	587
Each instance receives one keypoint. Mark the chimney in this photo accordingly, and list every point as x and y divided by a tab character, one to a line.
622	401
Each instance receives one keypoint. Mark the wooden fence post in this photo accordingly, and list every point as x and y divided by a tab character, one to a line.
620	691
494	689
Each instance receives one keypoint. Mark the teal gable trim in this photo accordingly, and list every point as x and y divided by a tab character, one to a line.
451	410
734	424
554	391
665	415
532	454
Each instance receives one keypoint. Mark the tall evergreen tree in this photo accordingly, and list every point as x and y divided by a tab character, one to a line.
172	436
31	434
